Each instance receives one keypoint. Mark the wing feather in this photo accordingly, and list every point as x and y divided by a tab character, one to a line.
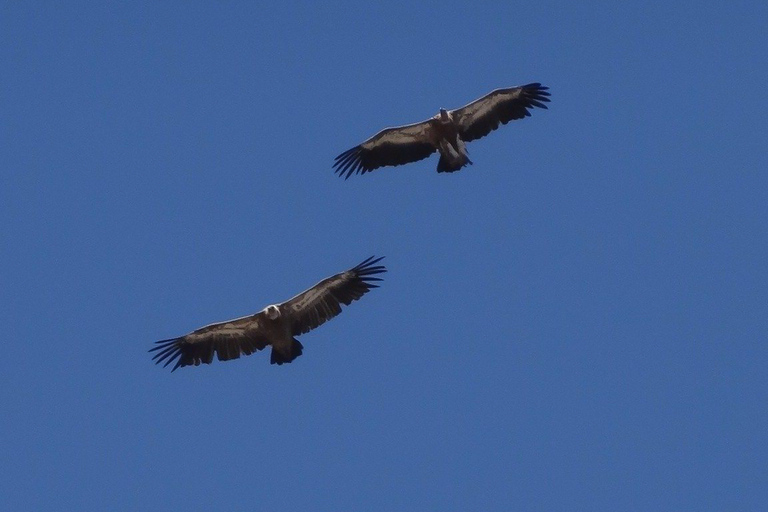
501	106
227	340
323	301
391	146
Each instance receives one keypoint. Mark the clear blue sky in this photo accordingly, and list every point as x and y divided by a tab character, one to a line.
576	322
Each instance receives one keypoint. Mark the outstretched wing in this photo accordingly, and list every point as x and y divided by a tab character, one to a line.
228	340
391	146
483	115
323	301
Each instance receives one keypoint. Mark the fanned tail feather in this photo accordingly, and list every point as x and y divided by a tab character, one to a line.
279	358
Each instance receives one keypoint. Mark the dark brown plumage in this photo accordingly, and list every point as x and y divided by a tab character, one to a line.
447	132
275	325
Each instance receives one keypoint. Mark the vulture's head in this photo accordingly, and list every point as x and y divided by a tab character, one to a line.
445	117
273	312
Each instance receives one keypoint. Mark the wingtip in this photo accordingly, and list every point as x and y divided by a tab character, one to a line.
537	89
348	163
168	351
370	261
536	95
161	344
368	267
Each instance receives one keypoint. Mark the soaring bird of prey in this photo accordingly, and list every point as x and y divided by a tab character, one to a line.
275	325
446	132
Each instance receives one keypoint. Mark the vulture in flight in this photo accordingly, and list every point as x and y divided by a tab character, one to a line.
446	132
275	325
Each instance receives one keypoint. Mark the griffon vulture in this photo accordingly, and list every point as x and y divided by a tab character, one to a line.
275	325
446	132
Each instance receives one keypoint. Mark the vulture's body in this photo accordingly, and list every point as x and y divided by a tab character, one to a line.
276	325
447	132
